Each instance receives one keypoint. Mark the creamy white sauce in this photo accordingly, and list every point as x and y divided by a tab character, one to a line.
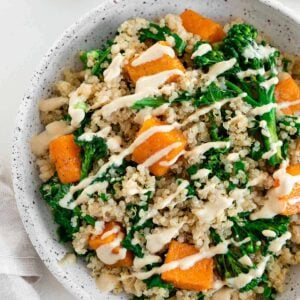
77	100
223	294
186	262
158	240
40	143
202	111
294	200
246	260
108	233
146	86
258	51
88	136
52	103
202	49
114	69
153	53
201	173
168	200
269	233
105	252
260	110
250	72
272	151
153	82
244	278
218	69
156	157
238	244
212	210
198	151
99	227
113	160
147	215
233	156
277	244
139	263
167	163
286	104
114	144
268	83
107	282
273	205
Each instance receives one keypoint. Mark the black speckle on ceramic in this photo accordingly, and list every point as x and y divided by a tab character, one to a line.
92	30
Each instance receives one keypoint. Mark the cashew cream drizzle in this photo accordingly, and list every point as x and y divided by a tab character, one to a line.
202	49
186	262
201	149
250	72
52	103
201	173
40	143
269	233
146	86
272	151
258	51
276	244
88	136
218	69
268	83
217	105
114	69
260	110
246	260
113	160
105	252
108	233
212	210
167	163
156	157
139	263
287	104
153	53
273	206
157	240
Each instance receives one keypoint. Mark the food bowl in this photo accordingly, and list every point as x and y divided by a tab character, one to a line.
92	30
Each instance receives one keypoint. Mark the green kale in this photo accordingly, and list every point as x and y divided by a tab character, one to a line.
68	220
209	58
148	102
156	281
91	150
157	33
94	59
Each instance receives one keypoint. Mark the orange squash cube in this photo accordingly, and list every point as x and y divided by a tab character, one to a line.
290	208
95	242
65	154
164	63
207	29
197	278
288	90
157	142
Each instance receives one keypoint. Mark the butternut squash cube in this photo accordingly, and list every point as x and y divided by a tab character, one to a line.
197	278
157	142
207	29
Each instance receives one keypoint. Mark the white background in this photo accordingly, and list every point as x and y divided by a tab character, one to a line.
27	29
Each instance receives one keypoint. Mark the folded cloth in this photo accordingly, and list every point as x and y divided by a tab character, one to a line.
20	266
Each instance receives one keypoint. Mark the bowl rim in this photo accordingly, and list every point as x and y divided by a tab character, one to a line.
17	148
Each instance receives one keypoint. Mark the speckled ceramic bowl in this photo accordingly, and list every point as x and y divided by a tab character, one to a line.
91	31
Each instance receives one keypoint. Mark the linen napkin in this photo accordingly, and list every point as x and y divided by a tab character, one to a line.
20	266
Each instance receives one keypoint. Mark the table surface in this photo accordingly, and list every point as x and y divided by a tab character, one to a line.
28	29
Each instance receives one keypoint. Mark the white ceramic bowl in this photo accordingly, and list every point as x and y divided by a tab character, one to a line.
91	31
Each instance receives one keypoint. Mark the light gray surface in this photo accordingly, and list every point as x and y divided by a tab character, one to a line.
28	29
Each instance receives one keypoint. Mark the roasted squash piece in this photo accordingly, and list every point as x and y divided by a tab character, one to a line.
95	242
198	278
291	208
207	29
65	154
161	64
288	90
157	142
